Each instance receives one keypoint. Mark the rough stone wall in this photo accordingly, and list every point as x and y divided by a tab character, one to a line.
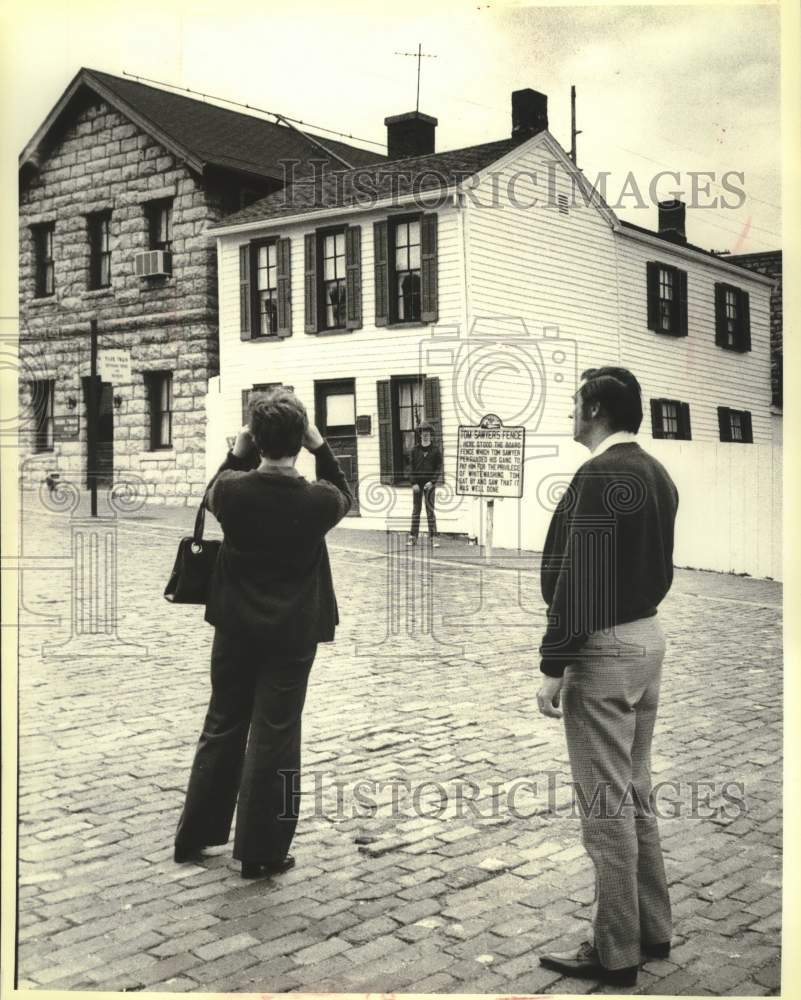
101	161
770	264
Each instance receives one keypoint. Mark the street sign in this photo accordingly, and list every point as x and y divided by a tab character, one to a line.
115	366
489	459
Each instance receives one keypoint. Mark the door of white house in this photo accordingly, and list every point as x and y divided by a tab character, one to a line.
335	416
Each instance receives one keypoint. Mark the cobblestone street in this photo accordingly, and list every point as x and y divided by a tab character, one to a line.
469	862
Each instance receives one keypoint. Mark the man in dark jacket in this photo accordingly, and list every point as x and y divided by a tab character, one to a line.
424	474
271	601
607	564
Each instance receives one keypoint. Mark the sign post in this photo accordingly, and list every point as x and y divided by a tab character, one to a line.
93	417
489	464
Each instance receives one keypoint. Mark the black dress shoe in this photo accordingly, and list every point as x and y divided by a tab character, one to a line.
255	869
584	963
183	854
659	950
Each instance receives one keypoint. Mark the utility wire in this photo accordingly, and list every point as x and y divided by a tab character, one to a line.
251	107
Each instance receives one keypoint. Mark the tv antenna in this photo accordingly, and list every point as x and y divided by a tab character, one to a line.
419	55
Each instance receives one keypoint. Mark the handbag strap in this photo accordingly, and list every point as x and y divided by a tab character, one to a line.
200	520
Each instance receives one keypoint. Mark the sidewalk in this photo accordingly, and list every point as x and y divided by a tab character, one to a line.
476	866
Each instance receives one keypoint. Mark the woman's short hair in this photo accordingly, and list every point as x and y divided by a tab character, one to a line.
618	393
278	421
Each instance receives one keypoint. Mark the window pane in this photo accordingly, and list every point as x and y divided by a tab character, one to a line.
414	258
340	410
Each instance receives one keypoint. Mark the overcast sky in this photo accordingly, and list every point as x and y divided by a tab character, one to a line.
659	88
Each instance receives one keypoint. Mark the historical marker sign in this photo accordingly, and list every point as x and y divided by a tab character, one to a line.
115	366
489	459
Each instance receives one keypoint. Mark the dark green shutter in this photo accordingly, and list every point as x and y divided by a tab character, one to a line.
748	433
657	429
310	283
245	330
652	292
724	423
353	272
381	272
428	268
681	283
385	434
433	412
744	312
685	432
720	317
284	279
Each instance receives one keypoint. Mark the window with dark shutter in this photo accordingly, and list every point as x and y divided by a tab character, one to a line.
310	282
386	450
353	265
732	318
433	413
284	279
159	220
270	288
670	419
735	425
430	275
245	330
666	289
381	272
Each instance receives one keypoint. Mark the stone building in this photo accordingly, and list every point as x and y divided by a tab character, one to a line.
117	189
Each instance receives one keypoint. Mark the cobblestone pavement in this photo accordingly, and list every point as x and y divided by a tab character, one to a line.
470	873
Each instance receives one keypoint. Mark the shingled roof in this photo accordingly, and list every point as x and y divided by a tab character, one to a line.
363	186
202	135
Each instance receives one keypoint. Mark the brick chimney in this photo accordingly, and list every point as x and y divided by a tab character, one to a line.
411	134
671	220
529	113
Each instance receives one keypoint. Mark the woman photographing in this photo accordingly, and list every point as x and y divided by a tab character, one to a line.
271	601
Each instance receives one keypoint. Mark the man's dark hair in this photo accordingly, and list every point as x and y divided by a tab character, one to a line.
277	422
617	392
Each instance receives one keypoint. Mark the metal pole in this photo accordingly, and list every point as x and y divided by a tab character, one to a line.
573	130
92	417
419	60
489	529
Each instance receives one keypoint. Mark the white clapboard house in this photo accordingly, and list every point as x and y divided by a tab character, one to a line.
448	286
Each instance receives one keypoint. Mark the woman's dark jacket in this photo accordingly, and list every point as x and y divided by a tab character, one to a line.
272	581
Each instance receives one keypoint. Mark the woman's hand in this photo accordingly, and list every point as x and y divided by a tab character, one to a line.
312	439
244	443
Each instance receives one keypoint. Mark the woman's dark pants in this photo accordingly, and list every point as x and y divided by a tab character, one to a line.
250	747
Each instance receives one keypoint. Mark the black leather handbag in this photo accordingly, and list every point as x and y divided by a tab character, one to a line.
194	564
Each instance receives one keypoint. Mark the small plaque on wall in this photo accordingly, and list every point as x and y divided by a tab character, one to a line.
364	424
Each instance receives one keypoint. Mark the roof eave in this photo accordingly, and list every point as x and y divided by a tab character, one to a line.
267	222
691	254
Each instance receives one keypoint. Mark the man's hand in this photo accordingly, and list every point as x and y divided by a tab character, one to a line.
428	486
312	438
416	488
548	697
244	443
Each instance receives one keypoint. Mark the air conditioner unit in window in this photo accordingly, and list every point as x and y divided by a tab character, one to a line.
150	263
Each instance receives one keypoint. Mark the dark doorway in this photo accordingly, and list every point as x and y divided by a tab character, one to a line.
105	434
335	416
